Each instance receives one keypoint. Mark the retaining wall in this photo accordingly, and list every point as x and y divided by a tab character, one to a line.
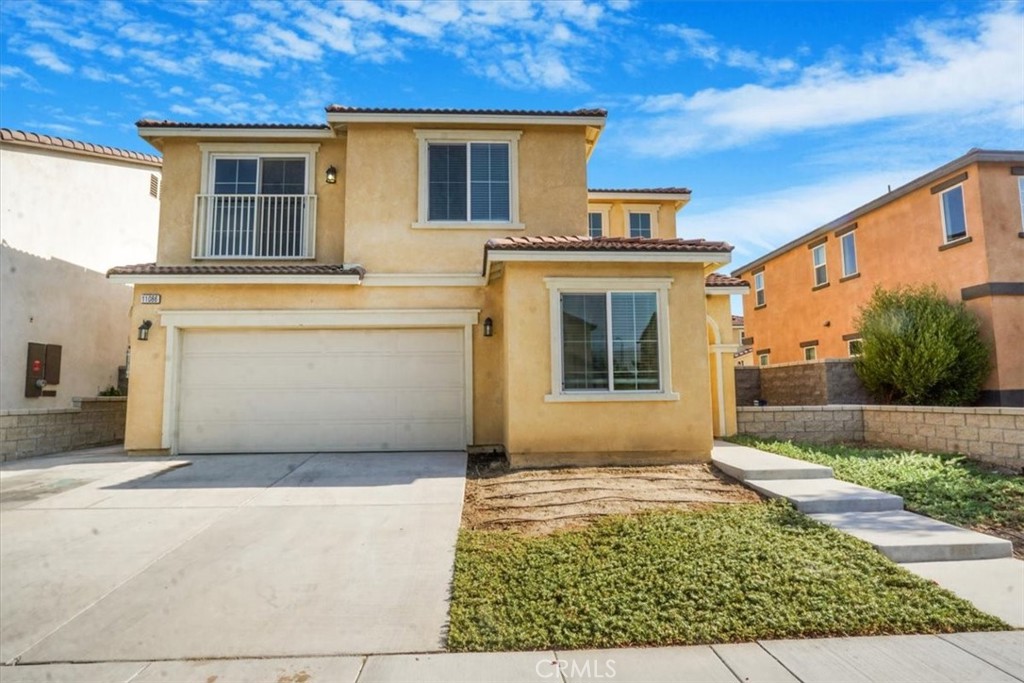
991	435
91	422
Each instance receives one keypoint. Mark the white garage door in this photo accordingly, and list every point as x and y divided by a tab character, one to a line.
321	390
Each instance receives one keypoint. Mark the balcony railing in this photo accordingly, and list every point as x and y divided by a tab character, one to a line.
254	226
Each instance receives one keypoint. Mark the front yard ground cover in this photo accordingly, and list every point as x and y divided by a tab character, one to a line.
667	577
950	488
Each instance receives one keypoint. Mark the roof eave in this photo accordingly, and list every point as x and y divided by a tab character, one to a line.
340	119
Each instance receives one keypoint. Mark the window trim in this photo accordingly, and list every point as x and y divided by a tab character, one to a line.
849	347
605	210
852	234
946	239
763	360
1020	191
425	137
570	285
759	290
819	249
649	209
811	349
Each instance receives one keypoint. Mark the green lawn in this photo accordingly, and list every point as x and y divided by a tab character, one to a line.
946	487
670	577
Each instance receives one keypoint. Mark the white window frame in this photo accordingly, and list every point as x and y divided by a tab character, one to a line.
567	285
650	209
214	151
852	235
426	137
250	150
849	347
810	353
823	266
605	210
762	360
1020	190
759	295
946	239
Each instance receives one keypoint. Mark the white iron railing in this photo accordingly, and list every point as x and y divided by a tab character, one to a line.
254	226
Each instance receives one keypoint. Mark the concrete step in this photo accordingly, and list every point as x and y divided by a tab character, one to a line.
826	495
745	463
905	537
994	586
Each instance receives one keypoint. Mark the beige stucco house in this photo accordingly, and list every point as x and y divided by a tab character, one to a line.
409	279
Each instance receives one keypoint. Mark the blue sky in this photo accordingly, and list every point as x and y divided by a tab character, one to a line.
779	116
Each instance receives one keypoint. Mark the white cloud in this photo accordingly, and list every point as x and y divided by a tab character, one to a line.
149	34
43	55
947	72
183	110
100	76
282	42
252	66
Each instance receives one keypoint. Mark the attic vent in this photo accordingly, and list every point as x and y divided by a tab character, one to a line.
154	185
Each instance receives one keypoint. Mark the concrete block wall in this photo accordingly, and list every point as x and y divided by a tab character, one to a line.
991	435
91	422
813	424
826	382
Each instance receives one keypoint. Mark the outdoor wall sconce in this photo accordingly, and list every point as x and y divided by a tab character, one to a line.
144	330
488	327
332	175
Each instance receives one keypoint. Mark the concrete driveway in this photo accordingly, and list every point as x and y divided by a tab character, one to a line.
105	557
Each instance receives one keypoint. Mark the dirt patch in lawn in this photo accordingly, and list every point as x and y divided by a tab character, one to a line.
537	502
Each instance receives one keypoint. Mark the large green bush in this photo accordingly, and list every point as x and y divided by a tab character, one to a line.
919	348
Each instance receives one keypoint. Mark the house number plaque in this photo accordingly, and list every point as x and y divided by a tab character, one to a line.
149	299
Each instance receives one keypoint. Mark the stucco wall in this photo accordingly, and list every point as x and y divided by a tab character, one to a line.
723	404
899	244
49	301
382	200
177	209
90	211
89	422
991	435
618	223
544	433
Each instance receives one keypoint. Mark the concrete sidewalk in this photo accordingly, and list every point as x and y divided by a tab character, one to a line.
977	567
988	657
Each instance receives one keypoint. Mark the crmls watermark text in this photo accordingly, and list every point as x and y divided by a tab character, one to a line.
572	668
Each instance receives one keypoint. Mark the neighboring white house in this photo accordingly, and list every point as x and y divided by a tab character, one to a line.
69	210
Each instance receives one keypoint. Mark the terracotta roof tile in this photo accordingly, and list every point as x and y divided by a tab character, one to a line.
737	321
642	190
716	280
579	243
38	139
153	123
342	109
240	269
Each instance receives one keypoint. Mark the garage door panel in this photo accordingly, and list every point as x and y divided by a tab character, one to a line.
316	390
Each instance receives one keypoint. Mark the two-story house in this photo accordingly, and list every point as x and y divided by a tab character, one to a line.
959	228
415	279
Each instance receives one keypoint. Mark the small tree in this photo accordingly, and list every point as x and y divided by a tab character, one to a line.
921	349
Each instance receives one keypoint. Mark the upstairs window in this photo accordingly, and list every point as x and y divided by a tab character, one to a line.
640	225
820	268
258	202
848	244
762	359
469	182
759	298
810	353
468	179
954	217
1020	190
595	224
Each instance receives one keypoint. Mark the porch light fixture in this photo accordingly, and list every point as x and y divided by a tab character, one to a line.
144	330
332	175
488	327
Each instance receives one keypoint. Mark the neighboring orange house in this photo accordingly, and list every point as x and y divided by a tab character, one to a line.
960	227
